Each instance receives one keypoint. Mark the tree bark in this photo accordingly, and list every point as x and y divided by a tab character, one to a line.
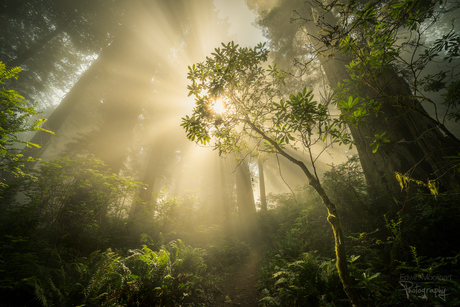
146	205
417	146
220	191
227	188
122	108
245	202
245	195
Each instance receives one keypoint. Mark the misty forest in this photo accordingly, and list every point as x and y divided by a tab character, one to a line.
152	157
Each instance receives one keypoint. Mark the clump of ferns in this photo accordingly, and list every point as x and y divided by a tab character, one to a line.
51	286
111	279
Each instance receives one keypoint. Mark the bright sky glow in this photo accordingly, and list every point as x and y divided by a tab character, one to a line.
241	22
166	99
219	106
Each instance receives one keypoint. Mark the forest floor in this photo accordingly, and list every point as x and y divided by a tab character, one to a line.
240	288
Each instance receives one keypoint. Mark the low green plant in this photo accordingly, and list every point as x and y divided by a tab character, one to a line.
15	116
172	276
76	201
298	225
308	281
226	253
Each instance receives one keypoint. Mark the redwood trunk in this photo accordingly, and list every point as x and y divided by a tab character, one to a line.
417	146
71	101
245	195
146	205
245	202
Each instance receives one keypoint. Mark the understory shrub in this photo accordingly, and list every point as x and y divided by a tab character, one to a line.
175	275
419	242
226	253
76	202
308	281
53	234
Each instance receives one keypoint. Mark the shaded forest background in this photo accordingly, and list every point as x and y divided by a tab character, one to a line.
340	162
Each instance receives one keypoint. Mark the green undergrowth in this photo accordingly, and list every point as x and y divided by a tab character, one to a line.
405	259
67	239
292	272
176	274
308	281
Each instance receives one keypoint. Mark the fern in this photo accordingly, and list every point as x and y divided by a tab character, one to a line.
103	274
38	291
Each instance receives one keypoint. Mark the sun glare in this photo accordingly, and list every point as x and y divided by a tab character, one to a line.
219	106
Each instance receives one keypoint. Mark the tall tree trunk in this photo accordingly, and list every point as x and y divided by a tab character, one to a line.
263	198
71	100
123	102
245	194
417	146
219	193
121	109
67	105
146	206
245	202
227	186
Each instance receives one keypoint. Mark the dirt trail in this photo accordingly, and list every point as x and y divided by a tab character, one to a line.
239	290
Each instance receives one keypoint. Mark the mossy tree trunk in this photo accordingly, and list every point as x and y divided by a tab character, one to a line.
332	218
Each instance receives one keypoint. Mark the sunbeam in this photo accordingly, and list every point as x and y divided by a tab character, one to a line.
217	153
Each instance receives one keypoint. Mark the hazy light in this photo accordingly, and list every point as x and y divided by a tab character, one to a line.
219	106
203	93
216	104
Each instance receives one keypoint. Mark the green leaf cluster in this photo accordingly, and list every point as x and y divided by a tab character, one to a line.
14	119
171	276
300	115
301	282
75	200
235	76
256	114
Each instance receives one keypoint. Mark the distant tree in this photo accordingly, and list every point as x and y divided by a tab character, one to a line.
145	206
263	196
245	199
238	109
73	98
244	192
